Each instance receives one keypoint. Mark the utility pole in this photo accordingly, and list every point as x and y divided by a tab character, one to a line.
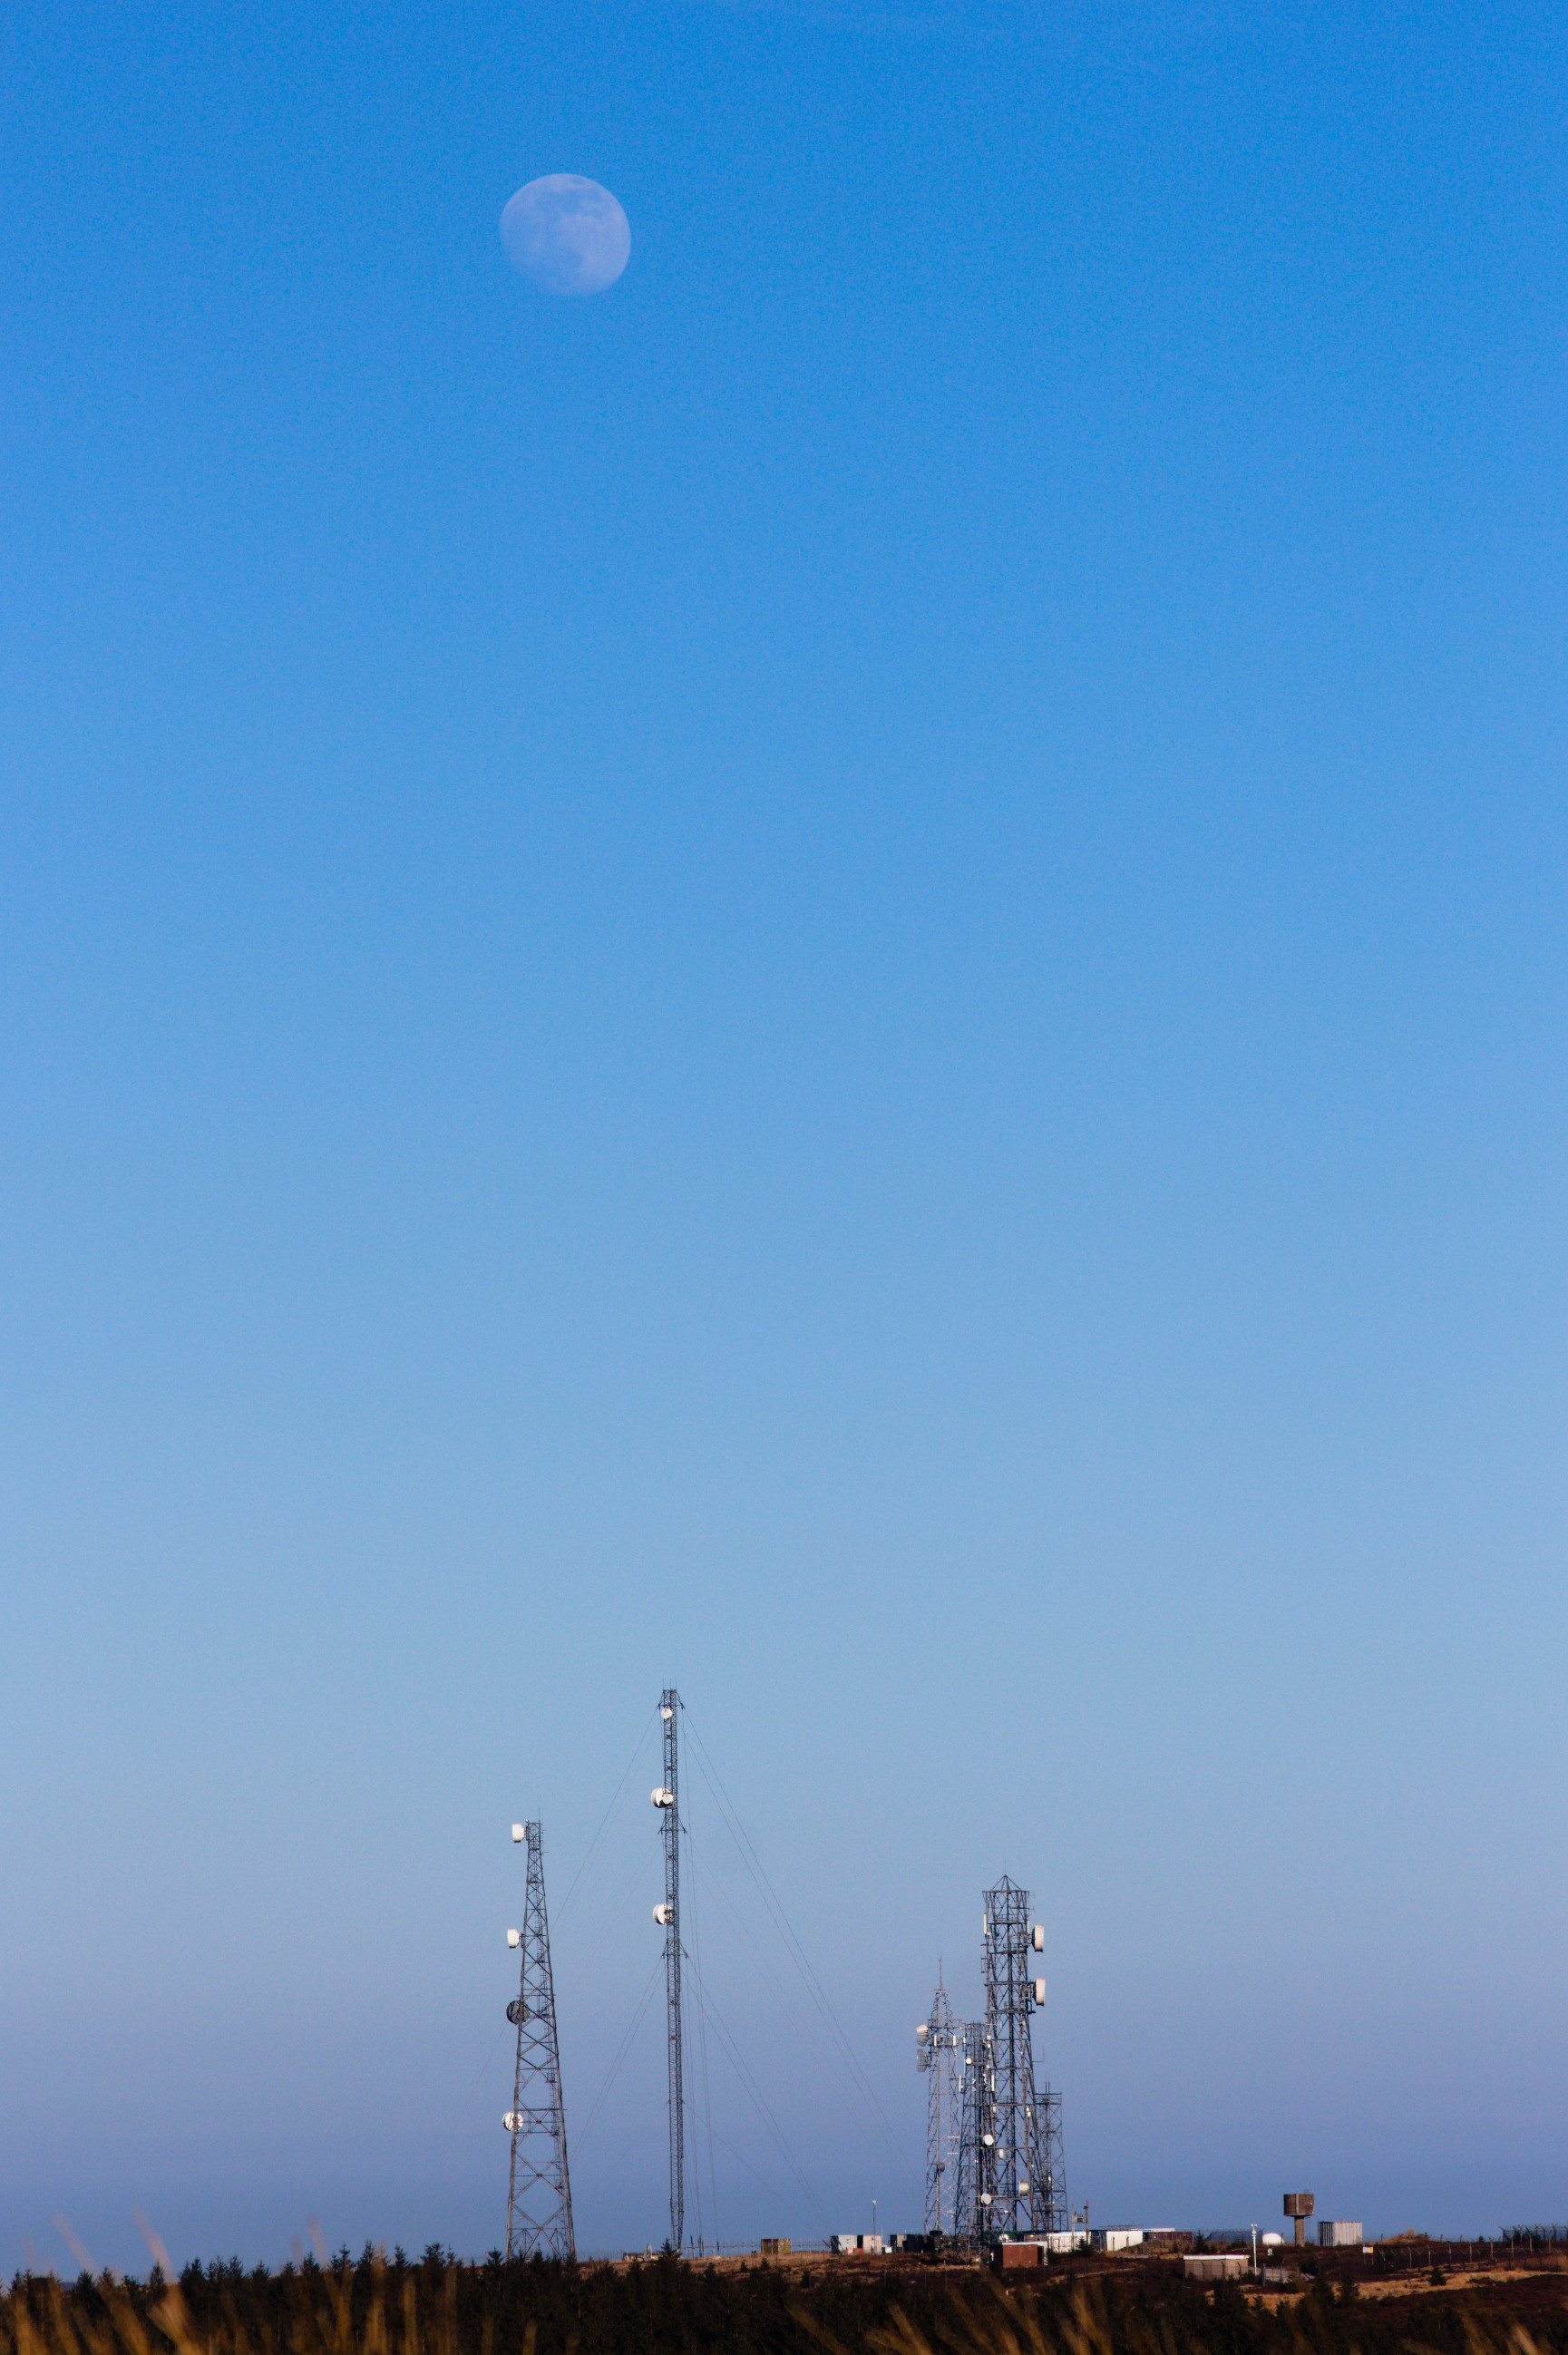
539	2195
939	2045
1030	2187
667	1799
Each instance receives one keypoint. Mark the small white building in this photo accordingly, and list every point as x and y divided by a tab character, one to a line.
856	2244
1333	2234
1114	2237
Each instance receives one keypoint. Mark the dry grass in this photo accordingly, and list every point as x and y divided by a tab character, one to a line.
1021	2322
442	2309
41	2318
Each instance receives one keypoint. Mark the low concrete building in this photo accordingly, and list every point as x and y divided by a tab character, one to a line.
1224	2265
1114	2237
1334	2234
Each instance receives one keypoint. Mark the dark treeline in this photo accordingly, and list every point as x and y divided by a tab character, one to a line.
436	2305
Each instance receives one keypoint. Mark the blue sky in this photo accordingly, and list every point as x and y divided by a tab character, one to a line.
841	978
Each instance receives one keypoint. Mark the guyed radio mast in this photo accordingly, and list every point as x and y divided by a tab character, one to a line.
667	1799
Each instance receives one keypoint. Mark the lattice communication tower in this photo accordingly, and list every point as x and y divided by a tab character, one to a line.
667	1799
539	2196
976	2192
939	2048
1029	2187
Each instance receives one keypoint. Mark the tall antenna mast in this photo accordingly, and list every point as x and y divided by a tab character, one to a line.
538	2195
667	1798
1030	2187
939	2044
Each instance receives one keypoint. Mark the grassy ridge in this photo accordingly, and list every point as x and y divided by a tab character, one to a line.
439	2307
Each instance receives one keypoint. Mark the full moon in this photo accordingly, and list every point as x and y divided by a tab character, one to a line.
568	234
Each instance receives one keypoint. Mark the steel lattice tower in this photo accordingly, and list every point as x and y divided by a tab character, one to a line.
939	2044
975	2195
539	2196
1031	2191
667	1798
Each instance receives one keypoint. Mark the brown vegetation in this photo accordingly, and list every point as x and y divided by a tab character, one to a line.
663	2306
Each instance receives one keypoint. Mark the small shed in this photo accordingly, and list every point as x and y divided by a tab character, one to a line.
1221	2265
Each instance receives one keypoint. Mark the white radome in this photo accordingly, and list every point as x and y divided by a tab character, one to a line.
568	234
514	1937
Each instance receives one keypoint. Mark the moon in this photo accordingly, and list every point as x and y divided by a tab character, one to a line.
568	234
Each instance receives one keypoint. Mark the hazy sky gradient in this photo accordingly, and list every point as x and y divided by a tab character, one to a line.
841	978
